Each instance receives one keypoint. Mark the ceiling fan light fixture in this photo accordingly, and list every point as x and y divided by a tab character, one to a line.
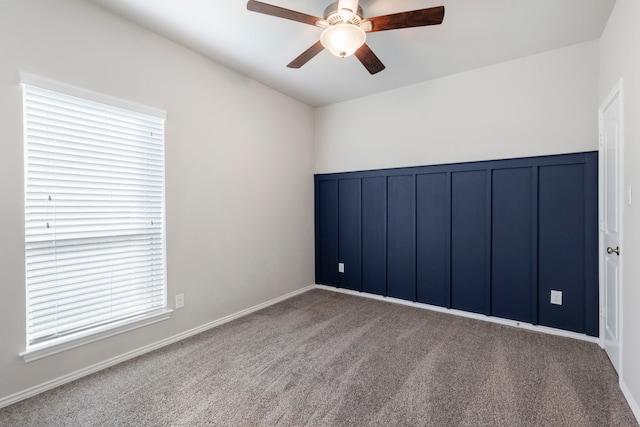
343	40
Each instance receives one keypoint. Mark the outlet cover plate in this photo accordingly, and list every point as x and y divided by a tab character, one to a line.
180	301
556	297
341	267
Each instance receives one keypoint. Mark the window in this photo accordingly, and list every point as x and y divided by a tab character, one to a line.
94	219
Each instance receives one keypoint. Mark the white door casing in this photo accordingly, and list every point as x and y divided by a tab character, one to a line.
611	208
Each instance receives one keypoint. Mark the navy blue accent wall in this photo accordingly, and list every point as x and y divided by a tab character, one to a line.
327	232
401	258
592	294
511	244
374	235
433	245
469	242
349	218
561	243
489	237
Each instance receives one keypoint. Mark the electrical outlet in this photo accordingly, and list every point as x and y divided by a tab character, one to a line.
341	267
556	297
180	301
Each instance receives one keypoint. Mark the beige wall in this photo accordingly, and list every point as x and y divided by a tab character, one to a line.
620	59
239	174
538	105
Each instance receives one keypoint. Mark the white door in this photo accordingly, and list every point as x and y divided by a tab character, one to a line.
611	221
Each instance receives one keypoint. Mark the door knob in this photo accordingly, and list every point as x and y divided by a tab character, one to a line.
610	250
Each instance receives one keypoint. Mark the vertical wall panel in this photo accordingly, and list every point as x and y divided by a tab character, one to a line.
327	235
592	290
561	251
349	238
534	245
511	244
469	287
433	245
401	238
374	235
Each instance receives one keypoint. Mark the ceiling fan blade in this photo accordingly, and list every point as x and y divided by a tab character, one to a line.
307	55
414	18
369	59
280	12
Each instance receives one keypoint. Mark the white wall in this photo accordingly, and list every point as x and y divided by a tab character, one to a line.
620	58
542	104
239	171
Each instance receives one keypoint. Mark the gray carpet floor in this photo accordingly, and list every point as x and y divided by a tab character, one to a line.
324	358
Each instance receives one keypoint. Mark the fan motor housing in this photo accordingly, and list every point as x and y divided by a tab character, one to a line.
332	15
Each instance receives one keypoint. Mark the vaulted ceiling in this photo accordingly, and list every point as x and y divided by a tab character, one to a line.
475	33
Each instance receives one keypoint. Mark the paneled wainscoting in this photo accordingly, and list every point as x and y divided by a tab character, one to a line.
492	237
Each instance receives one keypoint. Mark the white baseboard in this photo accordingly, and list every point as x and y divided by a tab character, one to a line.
513	323
630	400
30	392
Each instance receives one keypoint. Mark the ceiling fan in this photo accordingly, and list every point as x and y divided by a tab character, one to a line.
344	28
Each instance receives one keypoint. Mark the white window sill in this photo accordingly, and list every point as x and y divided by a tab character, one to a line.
39	351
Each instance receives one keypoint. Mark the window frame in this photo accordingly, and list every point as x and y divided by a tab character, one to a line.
65	342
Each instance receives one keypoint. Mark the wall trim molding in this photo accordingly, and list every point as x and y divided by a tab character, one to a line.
492	319
32	391
635	408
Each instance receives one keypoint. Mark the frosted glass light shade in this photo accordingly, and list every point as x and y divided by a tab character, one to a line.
343	39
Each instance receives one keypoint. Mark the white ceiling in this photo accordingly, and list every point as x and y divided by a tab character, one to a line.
475	33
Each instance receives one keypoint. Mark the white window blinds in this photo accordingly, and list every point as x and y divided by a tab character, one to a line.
94	220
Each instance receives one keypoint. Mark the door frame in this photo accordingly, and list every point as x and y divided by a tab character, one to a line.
617	91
